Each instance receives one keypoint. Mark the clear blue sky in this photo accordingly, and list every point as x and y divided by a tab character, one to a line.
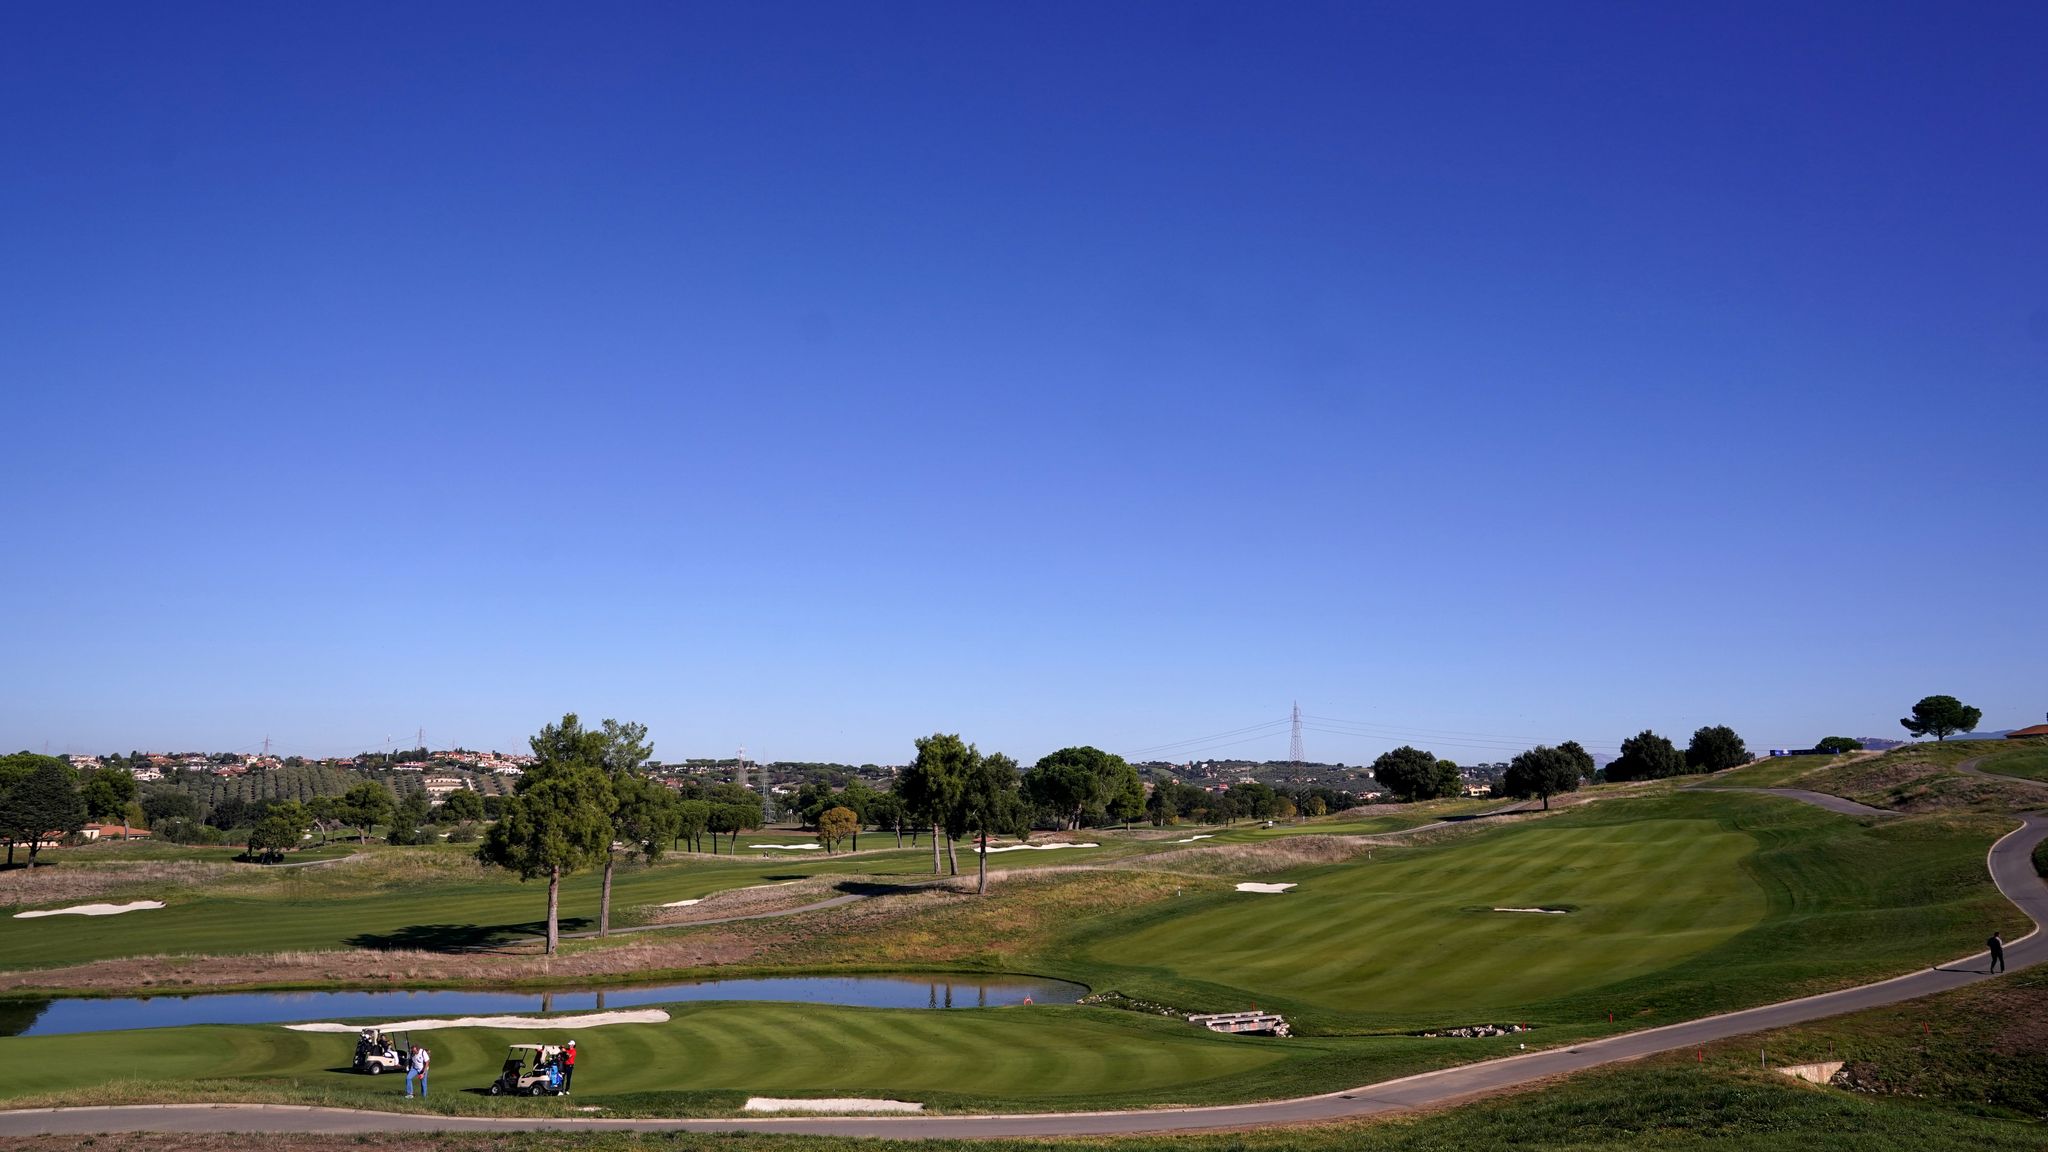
816	376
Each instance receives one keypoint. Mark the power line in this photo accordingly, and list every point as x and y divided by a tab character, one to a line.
1426	731
1274	725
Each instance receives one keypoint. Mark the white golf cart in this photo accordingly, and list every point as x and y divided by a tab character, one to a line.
530	1070
378	1052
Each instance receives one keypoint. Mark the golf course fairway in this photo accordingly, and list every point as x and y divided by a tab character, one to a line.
1674	907
1045	1057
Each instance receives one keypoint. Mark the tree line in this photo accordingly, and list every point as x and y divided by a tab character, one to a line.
1410	774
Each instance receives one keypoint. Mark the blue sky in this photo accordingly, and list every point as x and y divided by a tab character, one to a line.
814	376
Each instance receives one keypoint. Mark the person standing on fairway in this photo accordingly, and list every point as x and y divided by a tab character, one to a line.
568	1067
1997	947
425	1058
412	1067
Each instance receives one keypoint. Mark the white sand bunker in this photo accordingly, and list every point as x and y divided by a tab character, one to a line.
587	1020
840	1104
92	910
1255	886
787	847
683	903
1538	911
1195	837
1037	847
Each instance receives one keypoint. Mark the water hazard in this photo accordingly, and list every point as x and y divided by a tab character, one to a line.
81	1014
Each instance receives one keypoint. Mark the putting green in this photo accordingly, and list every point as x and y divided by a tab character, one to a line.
1410	934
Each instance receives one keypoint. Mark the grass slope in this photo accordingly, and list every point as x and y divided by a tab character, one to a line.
1681	905
1409	934
705	1059
2029	760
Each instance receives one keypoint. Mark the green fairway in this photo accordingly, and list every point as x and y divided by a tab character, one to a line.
1677	906
1415	933
710	1054
1771	772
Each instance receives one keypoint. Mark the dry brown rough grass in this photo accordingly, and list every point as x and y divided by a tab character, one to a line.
1914	786
72	883
650	953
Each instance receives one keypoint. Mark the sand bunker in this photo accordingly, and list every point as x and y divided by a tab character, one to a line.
92	910
1255	886
1195	837
841	1104
787	847
1037	847
1538	911
683	903
587	1020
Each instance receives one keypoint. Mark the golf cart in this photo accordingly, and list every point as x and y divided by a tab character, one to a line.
378	1052
530	1070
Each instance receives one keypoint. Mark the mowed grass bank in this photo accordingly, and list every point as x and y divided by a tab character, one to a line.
1675	906
1976	1078
711	1056
2029	760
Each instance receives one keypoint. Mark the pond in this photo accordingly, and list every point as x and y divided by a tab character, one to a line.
86	1014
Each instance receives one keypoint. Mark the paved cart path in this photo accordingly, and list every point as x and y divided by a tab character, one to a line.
2010	861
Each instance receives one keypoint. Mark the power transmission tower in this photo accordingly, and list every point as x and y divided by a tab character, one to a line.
1294	745
420	736
266	747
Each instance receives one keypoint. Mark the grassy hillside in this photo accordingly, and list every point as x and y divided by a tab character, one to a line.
1413	934
2023	758
1916	778
1678	905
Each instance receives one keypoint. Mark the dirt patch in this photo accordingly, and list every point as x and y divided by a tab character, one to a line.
749	901
651	953
948	925
1251	859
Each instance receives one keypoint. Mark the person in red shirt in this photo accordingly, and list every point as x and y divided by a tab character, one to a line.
568	1066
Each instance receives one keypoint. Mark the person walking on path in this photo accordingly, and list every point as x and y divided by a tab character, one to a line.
568	1067
1997	947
